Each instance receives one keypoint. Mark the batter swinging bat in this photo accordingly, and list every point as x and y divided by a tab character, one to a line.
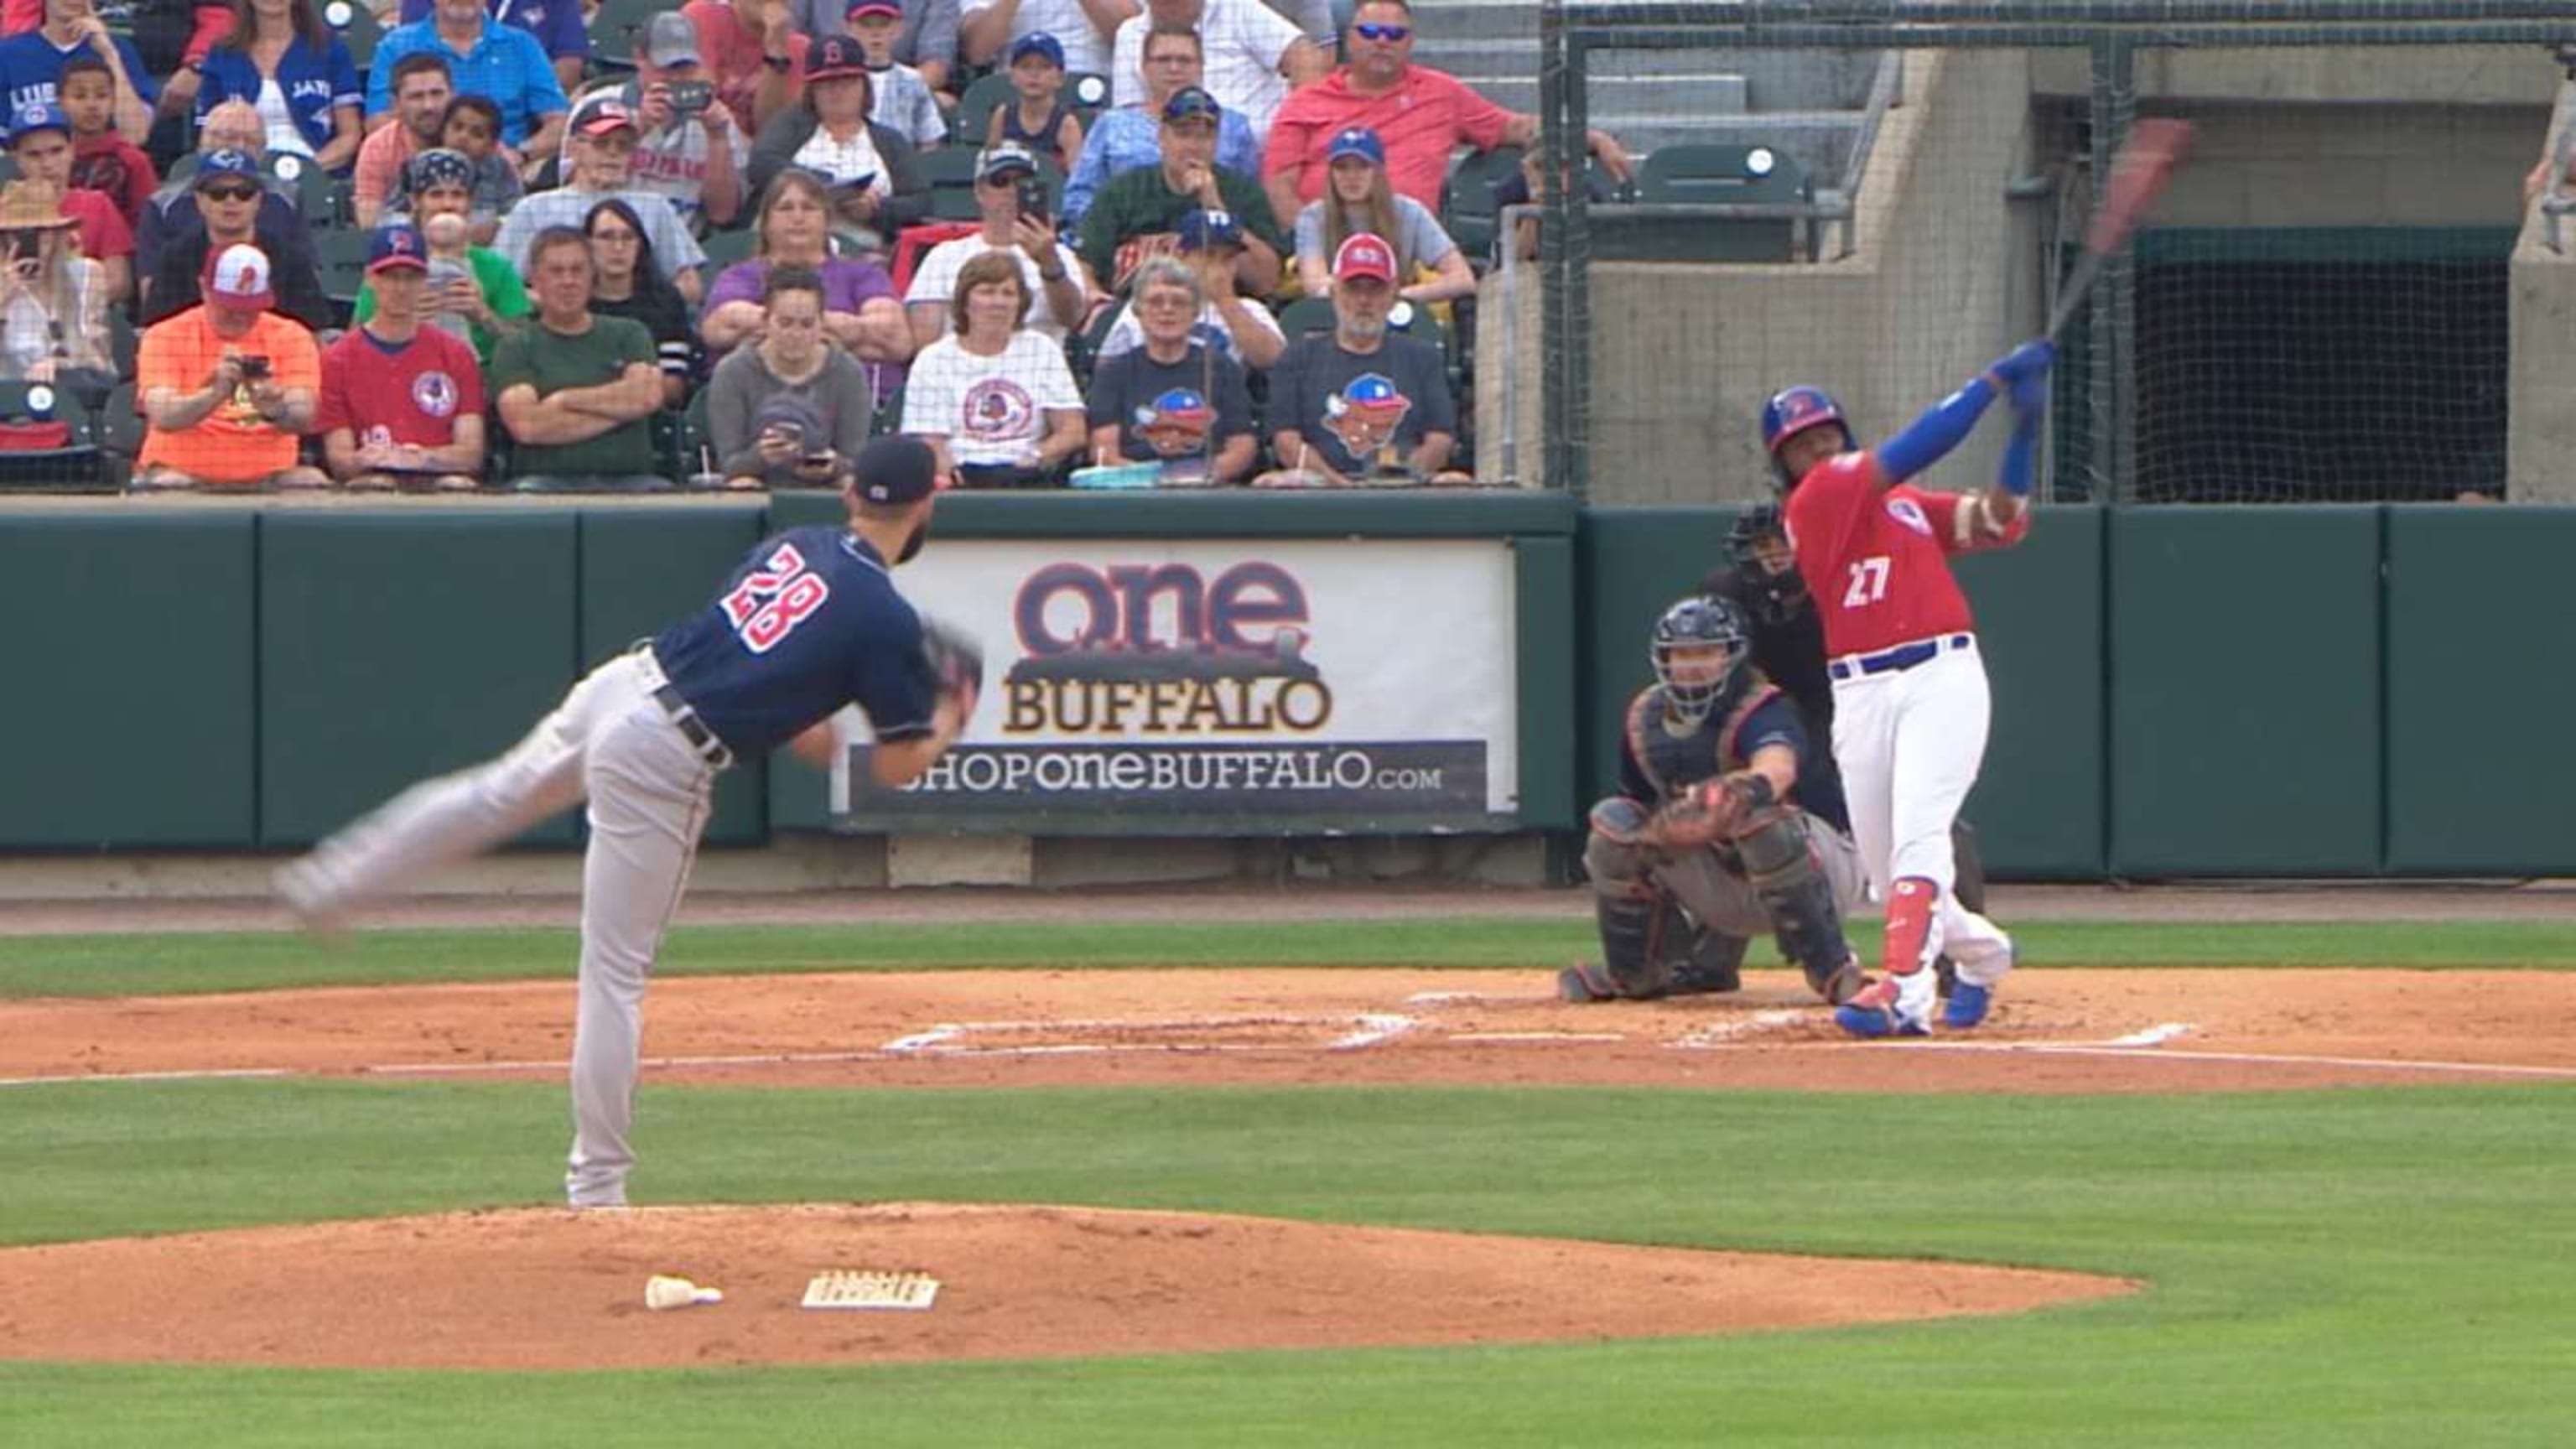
2138	175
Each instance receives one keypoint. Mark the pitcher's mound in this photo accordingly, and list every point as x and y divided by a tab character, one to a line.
540	1289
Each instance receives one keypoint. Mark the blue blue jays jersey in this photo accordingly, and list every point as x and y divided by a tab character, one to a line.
809	622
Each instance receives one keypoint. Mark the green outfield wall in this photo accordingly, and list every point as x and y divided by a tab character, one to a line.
2297	691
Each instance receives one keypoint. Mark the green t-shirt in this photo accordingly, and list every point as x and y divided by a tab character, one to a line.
551	362
502	293
1138	215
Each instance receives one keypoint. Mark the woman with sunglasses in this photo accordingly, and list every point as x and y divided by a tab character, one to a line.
1420	115
1360	200
53	301
296	70
625	282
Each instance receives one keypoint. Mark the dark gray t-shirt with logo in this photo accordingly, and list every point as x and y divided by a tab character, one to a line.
1363	414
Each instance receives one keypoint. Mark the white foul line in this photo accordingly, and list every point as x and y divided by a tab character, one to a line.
2274	1059
2156	1035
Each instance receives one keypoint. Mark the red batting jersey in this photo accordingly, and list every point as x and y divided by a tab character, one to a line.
1876	558
411	394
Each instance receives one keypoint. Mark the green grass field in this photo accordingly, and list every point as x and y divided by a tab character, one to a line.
2345	1268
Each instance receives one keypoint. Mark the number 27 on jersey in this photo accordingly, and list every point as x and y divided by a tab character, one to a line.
774	598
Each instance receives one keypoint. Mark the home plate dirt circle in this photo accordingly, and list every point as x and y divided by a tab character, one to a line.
555	1289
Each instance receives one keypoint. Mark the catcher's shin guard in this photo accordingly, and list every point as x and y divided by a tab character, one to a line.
1793	888
1632	955
1713	963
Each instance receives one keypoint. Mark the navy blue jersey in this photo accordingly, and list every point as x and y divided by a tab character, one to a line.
1658	759
809	623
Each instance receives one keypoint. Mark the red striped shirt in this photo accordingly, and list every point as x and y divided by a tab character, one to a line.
1428	115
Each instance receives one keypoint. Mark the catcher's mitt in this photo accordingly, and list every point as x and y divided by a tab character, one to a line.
1709	811
955	663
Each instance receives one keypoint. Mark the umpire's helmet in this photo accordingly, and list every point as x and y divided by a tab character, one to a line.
1699	622
1774	596
1793	410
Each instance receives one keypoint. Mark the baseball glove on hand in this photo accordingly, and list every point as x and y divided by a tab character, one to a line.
1709	811
955	663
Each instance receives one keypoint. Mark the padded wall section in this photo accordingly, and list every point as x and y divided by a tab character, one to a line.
2245	701
2038	806
398	645
645	569
132	723
2481	692
1634	563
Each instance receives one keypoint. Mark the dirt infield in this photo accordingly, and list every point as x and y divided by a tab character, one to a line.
2055	1030
541	1288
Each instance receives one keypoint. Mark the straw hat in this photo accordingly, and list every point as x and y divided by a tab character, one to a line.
26	204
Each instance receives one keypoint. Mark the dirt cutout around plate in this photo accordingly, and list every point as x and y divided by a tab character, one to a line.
552	1289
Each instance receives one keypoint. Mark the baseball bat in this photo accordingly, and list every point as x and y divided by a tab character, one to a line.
2138	175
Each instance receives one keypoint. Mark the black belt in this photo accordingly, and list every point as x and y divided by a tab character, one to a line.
1889	661
693	729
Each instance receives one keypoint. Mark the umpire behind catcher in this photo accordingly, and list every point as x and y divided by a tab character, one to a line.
1729	822
1788	635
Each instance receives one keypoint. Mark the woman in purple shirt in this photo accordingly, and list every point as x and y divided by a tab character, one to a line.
860	309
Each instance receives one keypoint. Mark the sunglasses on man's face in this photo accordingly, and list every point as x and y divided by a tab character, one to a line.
1371	30
231	193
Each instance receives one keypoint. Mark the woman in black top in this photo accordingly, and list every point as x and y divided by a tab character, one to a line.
625	282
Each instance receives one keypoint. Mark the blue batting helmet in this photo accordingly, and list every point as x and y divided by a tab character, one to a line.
1793	410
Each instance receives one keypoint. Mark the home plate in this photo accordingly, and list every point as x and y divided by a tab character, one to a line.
2152	1036
1718	1033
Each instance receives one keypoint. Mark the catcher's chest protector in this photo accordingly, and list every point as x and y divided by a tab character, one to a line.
1674	762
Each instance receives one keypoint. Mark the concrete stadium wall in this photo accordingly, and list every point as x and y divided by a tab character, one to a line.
2523	75
1683	356
2540	460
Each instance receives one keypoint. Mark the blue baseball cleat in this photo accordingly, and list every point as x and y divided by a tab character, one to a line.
1967	1006
1879	1011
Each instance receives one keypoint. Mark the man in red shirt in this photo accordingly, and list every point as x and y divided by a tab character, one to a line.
753	52
401	404
1910	700
1419	113
40	141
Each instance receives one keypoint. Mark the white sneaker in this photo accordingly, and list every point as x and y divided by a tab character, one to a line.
302	888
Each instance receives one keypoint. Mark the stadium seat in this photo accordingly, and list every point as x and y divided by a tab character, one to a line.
122	342
1467	210
1089	94
307	185
975	110
724	248
1697	176
619	25
1306	316
78	465
951	170
341	257
357	27
1707	175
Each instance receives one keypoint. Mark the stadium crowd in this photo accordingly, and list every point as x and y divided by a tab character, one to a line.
439	244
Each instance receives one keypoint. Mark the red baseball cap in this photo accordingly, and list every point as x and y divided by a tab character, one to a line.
1364	254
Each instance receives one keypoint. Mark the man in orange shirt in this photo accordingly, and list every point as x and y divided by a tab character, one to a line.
227	386
1421	115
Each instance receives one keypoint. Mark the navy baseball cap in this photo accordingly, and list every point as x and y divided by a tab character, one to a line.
1357	141
1190	103
1037	42
1004	160
895	469
439	166
835	57
216	165
31	119
396	244
1203	229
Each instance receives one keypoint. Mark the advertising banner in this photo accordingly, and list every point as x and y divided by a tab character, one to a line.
1137	686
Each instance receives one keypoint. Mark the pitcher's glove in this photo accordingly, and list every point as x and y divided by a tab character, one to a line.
955	663
1709	811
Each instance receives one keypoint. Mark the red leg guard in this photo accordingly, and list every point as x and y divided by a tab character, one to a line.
1910	903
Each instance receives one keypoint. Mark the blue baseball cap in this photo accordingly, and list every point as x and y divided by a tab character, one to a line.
1190	103
396	244
215	165
31	119
1203	229
1357	141
1037	42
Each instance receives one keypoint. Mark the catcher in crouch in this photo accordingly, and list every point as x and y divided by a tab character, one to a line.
1728	822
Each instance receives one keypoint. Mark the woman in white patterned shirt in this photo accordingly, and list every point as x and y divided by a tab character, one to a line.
995	399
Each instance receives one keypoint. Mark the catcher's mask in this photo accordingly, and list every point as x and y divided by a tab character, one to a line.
1699	644
1793	410
1756	543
